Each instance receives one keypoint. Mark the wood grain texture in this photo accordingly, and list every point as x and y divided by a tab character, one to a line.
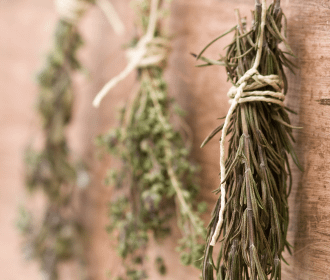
309	36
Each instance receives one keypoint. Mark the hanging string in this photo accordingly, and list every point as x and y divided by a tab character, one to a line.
112	16
148	51
245	90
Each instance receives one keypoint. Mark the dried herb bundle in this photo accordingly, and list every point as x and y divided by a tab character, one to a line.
254	227
58	237
156	180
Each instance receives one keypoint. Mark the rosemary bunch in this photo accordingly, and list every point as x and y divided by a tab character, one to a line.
156	179
58	237
253	222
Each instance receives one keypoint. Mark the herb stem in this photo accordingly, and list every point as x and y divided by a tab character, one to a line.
127	120
176	186
168	155
258	8
250	215
239	21
277	4
277	7
262	30
188	131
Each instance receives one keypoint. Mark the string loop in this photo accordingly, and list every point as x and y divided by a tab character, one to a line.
153	53
254	81
150	50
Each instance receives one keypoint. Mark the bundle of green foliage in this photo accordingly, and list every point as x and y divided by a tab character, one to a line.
156	180
58	236
255	215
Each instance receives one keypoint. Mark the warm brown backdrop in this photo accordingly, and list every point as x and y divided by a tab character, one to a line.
26	28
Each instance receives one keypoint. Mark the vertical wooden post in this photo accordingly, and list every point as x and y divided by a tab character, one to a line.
309	96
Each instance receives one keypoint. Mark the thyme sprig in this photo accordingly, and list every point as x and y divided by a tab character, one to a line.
255	215
156	180
58	236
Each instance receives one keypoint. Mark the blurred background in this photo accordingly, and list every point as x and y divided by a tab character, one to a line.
26	35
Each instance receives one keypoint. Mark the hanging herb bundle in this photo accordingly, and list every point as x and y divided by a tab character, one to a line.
58	236
251	217
156	180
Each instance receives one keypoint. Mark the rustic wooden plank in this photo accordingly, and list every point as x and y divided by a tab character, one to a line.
309	36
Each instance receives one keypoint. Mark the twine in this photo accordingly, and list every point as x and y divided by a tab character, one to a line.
148	51
154	53
246	91
112	16
71	10
249	93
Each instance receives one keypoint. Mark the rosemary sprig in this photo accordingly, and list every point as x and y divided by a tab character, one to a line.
156	178
254	176
58	236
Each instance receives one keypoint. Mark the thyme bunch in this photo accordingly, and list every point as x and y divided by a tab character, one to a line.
58	236
255	215
156	179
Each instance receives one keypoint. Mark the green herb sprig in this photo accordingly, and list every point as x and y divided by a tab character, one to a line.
58	236
255	214
156	180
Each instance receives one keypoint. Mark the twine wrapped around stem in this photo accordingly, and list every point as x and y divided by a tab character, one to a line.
250	92
148	51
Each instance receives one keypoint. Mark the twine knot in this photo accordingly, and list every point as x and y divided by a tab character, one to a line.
150	50
71	10
246	89
151	53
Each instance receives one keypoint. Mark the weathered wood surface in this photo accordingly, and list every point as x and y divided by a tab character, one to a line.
309	36
201	92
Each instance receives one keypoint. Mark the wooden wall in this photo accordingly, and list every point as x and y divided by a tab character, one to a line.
26	28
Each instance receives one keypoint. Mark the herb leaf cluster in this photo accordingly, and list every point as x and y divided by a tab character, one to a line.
254	231
156	180
58	236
